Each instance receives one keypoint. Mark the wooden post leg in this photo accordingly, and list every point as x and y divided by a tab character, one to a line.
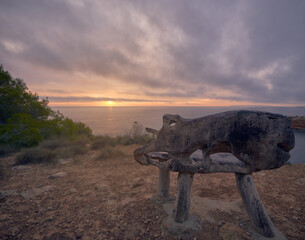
255	209
164	181
183	201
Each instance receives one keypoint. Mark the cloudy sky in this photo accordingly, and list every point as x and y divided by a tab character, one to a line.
161	52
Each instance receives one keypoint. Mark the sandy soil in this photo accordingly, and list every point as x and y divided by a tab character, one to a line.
110	199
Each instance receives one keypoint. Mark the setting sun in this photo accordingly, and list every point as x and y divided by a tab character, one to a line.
109	103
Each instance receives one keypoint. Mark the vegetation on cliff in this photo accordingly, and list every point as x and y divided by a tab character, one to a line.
45	136
26	120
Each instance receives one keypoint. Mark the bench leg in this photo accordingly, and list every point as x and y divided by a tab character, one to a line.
255	209
183	201
164	182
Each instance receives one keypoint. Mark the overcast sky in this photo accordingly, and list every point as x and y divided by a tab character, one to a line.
169	52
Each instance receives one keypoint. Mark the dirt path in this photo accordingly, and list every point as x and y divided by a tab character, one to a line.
110	199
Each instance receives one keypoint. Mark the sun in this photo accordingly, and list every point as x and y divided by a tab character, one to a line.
109	103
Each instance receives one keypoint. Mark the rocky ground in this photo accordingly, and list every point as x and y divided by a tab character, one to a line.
82	198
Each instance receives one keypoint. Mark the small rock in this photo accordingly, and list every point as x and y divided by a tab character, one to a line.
58	175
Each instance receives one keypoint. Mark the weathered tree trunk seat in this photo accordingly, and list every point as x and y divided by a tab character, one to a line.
256	140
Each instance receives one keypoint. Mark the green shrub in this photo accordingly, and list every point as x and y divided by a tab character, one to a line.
71	129
109	152
35	155
102	141
25	120
15	98
20	131
50	128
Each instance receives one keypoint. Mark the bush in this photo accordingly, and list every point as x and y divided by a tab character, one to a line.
71	129
64	147
83	140
144	139
35	155
78	149
102	141
124	140
63	127
64	152
25	120
16	98
20	131
55	143
135	135
108	152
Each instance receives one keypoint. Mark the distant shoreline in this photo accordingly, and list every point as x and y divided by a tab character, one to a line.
297	123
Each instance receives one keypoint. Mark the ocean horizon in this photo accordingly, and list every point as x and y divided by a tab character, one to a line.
114	120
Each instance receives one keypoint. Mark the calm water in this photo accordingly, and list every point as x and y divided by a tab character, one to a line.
115	120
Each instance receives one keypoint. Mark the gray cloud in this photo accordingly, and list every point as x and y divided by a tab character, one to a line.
230	50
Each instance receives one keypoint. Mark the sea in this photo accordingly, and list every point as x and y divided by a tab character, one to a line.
114	121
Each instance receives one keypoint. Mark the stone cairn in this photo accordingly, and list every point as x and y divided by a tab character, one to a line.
259	140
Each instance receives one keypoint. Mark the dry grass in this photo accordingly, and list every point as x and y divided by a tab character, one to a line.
35	155
109	152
